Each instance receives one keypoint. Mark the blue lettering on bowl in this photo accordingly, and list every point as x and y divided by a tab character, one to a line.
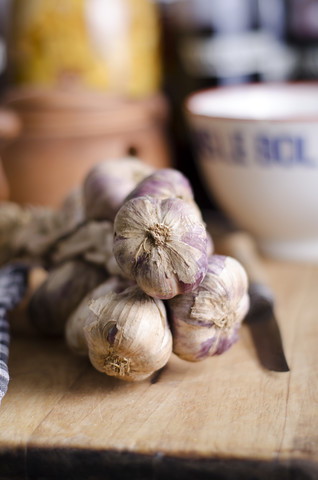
238	153
207	143
285	151
210	146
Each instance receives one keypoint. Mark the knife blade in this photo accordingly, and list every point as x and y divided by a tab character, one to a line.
261	318
264	328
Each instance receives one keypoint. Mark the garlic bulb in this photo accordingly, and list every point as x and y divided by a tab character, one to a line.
128	335
206	321
61	292
74	328
165	183
92	241
161	244
108	183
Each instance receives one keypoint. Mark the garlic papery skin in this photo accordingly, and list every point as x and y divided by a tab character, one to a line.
206	322
128	335
38	234
64	288
30	231
165	183
108	183
92	241
161	244
74	328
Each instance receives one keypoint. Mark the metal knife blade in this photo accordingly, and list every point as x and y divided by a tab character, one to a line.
261	317
264	328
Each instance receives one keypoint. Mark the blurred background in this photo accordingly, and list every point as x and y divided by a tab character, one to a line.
87	80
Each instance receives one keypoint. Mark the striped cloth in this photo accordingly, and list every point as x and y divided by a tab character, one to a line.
13	283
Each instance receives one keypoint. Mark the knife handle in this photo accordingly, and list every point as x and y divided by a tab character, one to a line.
241	246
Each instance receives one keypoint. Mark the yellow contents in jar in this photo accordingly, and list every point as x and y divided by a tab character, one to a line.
110	45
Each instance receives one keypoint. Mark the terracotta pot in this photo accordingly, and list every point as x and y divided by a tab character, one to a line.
65	133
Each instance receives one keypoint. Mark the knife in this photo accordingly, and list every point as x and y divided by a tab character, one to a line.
261	317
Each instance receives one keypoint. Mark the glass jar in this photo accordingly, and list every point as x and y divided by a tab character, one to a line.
111	45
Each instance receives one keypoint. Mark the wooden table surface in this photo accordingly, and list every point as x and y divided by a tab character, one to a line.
225	416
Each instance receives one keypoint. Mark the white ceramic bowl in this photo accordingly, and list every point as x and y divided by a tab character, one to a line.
257	151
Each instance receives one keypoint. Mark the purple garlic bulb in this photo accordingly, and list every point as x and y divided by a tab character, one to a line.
161	244
108	183
166	182
206	321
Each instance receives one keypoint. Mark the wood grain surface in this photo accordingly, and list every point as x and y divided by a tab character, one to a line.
223	418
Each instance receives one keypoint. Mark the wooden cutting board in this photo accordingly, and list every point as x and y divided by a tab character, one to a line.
226	416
